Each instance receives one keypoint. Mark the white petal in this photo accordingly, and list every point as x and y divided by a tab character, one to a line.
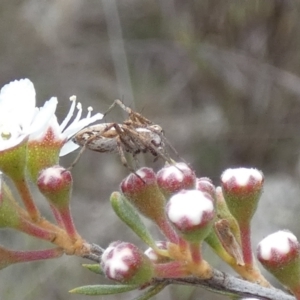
75	127
43	118
17	100
55	127
68	147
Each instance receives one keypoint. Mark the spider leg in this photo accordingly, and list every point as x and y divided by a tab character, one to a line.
127	141
77	158
83	148
120	104
110	108
135	119
124	160
136	161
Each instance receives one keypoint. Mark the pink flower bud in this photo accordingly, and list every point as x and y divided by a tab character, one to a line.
125	263
205	185
173	178
278	248
144	193
242	188
242	180
55	184
132	183
279	253
192	213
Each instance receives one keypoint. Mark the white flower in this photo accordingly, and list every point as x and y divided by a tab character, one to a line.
19	117
66	133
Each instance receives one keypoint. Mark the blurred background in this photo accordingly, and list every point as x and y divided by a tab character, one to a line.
220	77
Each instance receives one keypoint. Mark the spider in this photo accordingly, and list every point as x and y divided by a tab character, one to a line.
135	135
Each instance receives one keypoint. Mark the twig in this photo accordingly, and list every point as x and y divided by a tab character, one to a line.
226	284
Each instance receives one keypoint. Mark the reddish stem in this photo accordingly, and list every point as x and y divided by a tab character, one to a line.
66	218
174	269
195	250
57	216
246	243
25	256
168	230
34	230
27	199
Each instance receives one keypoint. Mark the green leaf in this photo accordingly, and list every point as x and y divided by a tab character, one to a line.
128	214
96	290
154	290
96	268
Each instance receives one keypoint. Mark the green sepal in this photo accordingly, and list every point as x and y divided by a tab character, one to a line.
96	290
10	212
95	268
129	215
13	161
154	290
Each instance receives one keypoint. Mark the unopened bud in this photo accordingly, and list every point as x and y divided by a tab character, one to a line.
173	178
144	194
205	185
125	263
192	213
55	184
279	253
242	188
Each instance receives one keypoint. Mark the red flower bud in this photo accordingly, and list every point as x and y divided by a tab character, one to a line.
192	213
242	188
279	253
125	263
205	185
173	178
144	193
55	184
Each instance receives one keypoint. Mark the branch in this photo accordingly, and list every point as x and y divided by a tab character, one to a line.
223	283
